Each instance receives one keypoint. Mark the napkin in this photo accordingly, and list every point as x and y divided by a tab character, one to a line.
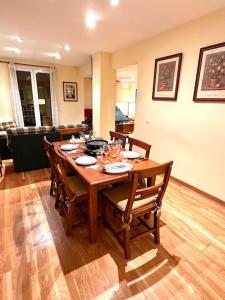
115	166
93	167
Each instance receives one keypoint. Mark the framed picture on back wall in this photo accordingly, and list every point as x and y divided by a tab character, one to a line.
70	91
210	77
166	77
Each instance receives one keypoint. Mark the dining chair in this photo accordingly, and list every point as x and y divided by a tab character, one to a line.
49	150
133	202
73	190
1	166
65	132
118	136
134	142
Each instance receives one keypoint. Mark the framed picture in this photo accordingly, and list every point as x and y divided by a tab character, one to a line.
70	91
166	77
210	77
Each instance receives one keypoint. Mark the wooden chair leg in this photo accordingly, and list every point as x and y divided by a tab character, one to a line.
52	183
63	203
156	226
105	209
127	242
70	218
58	193
52	187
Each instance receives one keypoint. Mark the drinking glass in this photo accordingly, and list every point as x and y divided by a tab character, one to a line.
99	156
106	152
113	150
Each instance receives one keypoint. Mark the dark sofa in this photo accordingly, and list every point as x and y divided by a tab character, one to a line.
26	145
4	150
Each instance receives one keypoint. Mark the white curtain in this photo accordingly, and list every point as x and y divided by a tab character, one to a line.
15	96
55	112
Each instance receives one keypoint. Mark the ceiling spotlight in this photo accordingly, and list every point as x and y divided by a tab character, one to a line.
67	47
18	39
91	19
114	2
54	55
11	49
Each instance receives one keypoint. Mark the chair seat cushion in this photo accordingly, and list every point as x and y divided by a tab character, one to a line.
119	196
76	185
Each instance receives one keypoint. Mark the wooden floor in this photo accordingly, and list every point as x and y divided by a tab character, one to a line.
38	261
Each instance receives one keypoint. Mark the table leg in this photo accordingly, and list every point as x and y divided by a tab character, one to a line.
92	214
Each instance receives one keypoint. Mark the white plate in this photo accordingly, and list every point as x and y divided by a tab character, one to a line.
130	154
118	167
68	147
75	141
86	160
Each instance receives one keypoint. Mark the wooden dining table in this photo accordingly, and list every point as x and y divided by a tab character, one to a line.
96	180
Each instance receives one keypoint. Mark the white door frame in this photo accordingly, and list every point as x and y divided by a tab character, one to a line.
33	71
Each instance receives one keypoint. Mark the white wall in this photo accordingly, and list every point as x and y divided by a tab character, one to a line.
5	104
191	134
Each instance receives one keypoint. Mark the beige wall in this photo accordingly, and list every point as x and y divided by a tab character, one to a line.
5	103
87	92
69	112
84	72
191	134
104	94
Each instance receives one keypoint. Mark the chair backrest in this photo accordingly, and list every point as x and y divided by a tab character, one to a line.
69	131
61	172
49	148
134	142
118	136
157	190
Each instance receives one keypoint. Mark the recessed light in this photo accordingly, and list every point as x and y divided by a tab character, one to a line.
54	55
17	38
11	49
67	47
91	19
114	2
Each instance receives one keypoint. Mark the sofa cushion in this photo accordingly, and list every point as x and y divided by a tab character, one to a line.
57	127
26	130
5	125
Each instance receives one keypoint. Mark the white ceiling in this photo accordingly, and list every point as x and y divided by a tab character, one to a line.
47	25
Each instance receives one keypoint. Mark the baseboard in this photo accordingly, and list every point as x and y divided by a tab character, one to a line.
197	190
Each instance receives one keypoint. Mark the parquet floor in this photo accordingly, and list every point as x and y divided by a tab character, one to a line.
38	261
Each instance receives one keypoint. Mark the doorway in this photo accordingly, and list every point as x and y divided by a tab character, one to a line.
126	95
35	96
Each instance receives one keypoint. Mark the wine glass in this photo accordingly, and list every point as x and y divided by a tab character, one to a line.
73	139
82	137
92	134
118	146
105	149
